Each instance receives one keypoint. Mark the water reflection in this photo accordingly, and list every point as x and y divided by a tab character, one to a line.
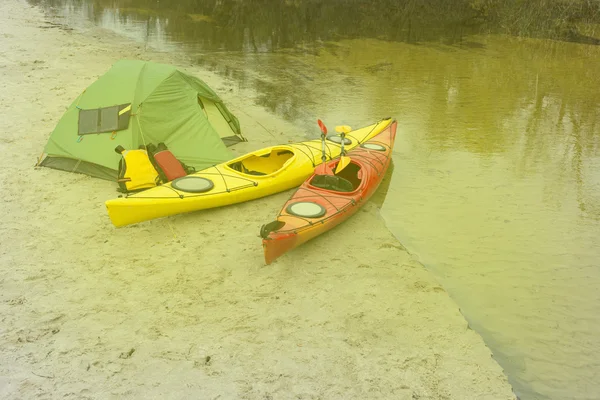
262	26
380	195
497	185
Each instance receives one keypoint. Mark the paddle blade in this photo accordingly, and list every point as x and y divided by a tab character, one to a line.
344	161
343	129
322	126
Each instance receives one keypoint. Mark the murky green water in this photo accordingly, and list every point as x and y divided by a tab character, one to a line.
496	181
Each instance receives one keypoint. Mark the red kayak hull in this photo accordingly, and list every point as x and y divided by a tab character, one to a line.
326	200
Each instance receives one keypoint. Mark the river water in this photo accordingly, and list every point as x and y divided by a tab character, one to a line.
496	180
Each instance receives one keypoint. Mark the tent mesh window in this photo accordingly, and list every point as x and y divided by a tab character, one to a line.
106	119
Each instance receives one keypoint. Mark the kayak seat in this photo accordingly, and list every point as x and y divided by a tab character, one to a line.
257	173
264	163
240	167
332	182
352	173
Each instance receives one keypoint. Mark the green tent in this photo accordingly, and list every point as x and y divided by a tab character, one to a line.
137	103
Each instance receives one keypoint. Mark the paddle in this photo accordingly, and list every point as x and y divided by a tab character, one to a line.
344	160
323	169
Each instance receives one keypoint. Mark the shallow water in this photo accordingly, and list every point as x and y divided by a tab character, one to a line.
496	180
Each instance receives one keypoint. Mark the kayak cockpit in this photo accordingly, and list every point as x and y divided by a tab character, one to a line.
332	182
347	180
265	164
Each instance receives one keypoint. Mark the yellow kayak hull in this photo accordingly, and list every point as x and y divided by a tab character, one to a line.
254	175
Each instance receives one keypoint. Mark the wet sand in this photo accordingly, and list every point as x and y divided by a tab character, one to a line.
184	307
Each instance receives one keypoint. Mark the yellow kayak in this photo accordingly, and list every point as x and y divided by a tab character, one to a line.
251	176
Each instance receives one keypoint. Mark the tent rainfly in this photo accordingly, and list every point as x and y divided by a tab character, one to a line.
137	103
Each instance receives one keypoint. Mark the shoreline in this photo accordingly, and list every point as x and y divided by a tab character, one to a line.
184	307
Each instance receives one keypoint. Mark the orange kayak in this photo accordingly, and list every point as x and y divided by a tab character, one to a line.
326	199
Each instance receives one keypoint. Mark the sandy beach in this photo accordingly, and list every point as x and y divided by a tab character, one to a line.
184	307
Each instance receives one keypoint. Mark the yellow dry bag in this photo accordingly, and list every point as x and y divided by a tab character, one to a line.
136	172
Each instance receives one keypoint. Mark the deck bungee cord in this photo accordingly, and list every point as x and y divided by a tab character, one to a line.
327	198
367	156
310	149
251	176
